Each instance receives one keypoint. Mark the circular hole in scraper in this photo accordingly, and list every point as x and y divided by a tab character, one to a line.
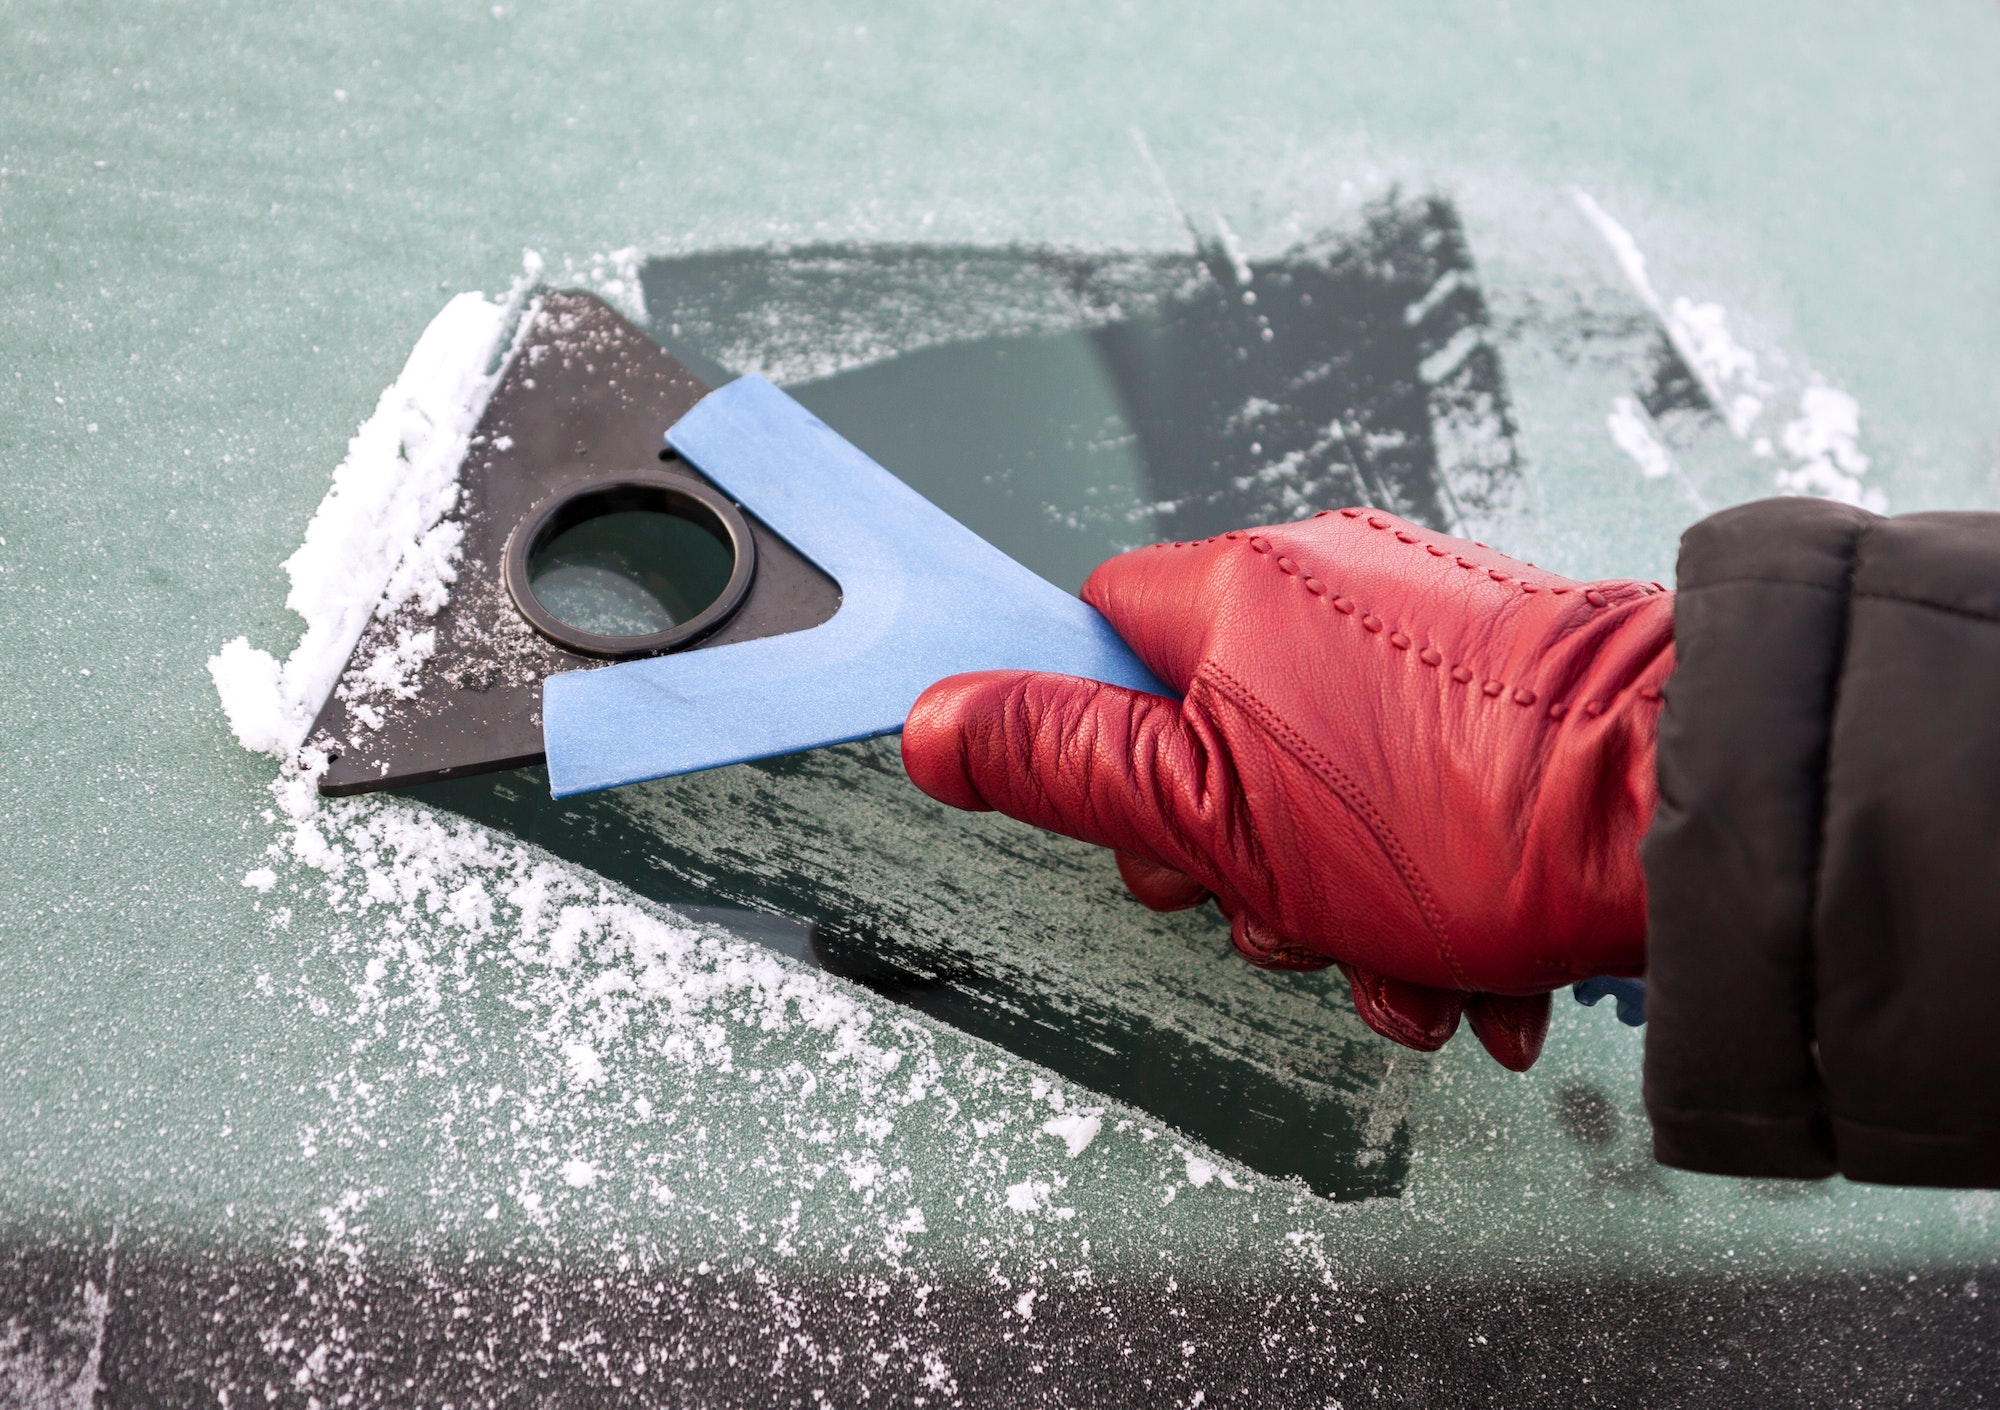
629	565
630	573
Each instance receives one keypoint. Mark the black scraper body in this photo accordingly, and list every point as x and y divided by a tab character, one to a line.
586	393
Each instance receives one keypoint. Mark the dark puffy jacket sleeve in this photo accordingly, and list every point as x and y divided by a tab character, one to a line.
1823	874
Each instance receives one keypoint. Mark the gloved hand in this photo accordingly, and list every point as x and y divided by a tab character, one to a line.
1398	751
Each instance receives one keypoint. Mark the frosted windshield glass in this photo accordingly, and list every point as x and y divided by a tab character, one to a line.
428	1097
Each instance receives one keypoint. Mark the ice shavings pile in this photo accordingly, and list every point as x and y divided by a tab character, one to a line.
379	546
614	277
556	1047
1822	440
565	1053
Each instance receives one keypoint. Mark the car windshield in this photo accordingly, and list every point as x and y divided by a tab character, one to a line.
782	1083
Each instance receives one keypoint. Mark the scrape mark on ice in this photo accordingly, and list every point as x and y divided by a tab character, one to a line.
1632	262
1822	439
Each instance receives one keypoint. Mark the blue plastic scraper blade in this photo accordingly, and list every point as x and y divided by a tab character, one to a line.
922	598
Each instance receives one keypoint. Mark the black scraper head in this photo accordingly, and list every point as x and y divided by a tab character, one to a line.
587	395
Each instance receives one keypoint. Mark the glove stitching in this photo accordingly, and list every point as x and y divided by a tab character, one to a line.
1349	793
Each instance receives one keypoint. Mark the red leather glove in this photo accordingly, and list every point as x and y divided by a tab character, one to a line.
1398	751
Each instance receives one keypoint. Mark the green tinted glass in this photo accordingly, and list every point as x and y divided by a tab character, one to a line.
630	573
